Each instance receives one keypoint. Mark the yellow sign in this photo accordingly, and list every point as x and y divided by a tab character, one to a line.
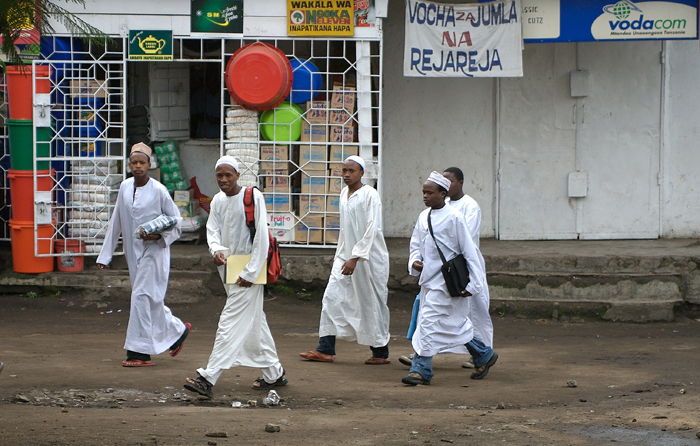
320	18
150	45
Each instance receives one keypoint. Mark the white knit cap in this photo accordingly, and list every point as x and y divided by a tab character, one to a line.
356	159
226	159
439	179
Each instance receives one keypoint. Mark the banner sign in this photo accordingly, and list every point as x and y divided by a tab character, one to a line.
463	40
596	20
320	18
216	16
150	45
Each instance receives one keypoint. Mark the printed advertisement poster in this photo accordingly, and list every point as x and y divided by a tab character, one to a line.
320	18
217	16
463	40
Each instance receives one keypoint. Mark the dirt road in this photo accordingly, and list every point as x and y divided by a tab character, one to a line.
63	384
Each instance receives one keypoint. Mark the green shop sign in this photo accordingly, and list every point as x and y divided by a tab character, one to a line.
217	16
150	45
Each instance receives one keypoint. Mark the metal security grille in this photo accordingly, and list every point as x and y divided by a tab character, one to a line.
300	175
4	166
84	144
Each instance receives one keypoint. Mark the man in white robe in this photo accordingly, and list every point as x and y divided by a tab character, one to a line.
443	321
355	301
152	327
243	337
479	304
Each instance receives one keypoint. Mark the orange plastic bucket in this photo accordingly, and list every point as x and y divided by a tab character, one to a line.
19	89
23	258
22	191
66	261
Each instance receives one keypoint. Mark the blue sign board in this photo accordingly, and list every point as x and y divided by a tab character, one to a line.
608	20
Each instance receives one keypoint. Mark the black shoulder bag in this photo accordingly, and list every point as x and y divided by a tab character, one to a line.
455	272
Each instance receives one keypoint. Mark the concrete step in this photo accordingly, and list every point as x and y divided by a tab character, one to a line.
617	297
640	280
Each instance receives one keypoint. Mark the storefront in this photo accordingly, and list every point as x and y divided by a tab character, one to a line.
594	141
167	79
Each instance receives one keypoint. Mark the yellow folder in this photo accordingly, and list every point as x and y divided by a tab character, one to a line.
234	266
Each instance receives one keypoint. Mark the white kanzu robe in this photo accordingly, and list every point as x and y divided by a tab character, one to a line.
152	327
443	321
243	337
479	311
354	307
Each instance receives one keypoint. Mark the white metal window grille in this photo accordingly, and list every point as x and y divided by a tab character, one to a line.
81	199
86	143
301	177
4	166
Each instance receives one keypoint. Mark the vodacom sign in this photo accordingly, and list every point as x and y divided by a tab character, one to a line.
646	20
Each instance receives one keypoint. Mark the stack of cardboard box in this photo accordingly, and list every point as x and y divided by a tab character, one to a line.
185	202
343	128
274	176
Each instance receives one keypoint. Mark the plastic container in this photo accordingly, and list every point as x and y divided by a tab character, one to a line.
19	89
22	144
66	261
258	76
283	123
22	191
88	145
23	258
307	82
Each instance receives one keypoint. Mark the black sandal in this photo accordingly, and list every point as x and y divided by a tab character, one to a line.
264	385
200	386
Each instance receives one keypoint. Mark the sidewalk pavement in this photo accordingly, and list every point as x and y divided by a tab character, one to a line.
622	280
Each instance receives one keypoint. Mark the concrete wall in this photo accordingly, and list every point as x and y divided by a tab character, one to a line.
431	124
640	121
681	127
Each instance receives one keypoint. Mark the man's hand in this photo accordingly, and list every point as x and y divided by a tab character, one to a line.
465	293
101	266
244	283
149	237
349	267
417	265
219	259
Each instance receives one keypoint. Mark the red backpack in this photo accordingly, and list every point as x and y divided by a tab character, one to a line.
274	266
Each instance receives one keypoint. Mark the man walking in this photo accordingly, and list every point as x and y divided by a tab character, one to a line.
443	321
354	303
243	337
152	327
479	304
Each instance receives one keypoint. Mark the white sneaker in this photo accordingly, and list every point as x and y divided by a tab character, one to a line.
407	360
468	364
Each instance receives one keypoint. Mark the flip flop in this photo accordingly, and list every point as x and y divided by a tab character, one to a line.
377	361
177	349
314	355
137	363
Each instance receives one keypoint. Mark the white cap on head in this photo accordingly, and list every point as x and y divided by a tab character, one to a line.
439	179
226	159
356	159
